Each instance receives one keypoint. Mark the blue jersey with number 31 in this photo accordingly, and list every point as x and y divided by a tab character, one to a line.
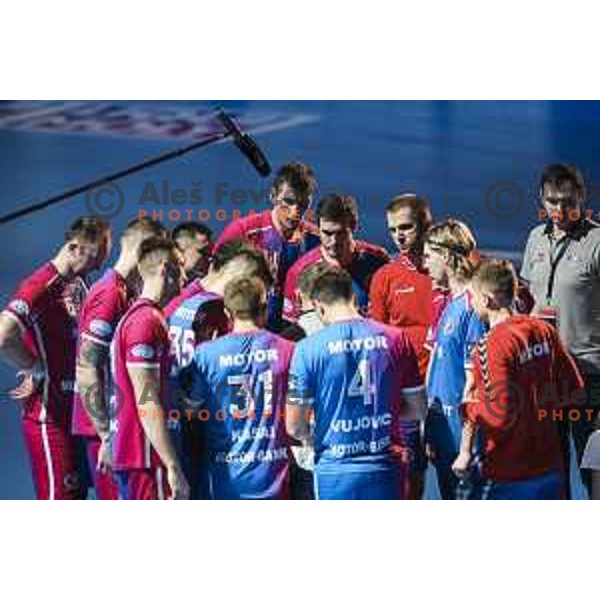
240	381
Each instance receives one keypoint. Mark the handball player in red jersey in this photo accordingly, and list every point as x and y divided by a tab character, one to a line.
338	220
523	375
402	294
38	335
105	304
282	233
144	457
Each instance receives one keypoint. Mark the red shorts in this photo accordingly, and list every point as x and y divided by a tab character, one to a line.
144	484
105	485
57	462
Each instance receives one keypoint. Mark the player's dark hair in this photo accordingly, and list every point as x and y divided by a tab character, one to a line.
338	209
559	173
308	276
144	227
153	250
190	229
245	298
90	229
498	278
333	286
419	207
299	176
241	250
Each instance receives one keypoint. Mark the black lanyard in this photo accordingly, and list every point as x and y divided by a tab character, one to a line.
554	261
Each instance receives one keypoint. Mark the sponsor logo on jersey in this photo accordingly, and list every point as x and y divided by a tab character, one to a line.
356	345
101	328
405	290
535	351
142	351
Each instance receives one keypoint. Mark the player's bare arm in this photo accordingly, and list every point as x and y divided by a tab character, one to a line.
91	383
12	348
146	385
15	353
469	430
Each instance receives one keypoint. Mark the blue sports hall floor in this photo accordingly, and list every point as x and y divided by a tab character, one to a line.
478	161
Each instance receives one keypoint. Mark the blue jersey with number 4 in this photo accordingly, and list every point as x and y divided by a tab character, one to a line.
353	375
240	381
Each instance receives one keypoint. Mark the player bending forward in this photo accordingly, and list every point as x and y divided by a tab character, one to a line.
355	378
144	457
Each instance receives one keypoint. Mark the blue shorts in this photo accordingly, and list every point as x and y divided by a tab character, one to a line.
347	482
547	487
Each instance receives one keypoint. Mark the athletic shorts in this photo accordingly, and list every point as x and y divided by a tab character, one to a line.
547	487
345	482
57	460
143	484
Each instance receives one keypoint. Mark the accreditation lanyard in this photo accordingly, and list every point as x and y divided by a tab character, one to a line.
556	257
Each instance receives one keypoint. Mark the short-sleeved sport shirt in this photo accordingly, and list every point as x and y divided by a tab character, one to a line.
576	290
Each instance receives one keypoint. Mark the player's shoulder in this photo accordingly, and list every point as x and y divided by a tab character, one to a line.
315	342
108	286
43	277
276	341
372	249
143	313
311	257
255	222
399	267
537	233
592	232
395	335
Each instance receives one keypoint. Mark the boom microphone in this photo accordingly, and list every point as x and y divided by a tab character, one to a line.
246	144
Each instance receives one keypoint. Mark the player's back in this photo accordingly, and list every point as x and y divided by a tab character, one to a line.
528	381
140	340
242	379
354	371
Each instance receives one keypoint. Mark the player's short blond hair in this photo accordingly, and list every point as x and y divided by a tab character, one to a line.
498	279
245	298
456	243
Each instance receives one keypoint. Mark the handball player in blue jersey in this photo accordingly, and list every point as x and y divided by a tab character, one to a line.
350	386
196	317
450	259
240	381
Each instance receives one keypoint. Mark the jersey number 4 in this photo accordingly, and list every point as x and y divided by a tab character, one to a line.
362	384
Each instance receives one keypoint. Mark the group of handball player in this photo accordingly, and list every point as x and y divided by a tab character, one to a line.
290	359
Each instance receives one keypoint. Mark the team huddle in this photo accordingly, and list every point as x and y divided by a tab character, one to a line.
291	360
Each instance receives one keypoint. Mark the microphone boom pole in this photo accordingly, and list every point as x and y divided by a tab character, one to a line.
230	132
